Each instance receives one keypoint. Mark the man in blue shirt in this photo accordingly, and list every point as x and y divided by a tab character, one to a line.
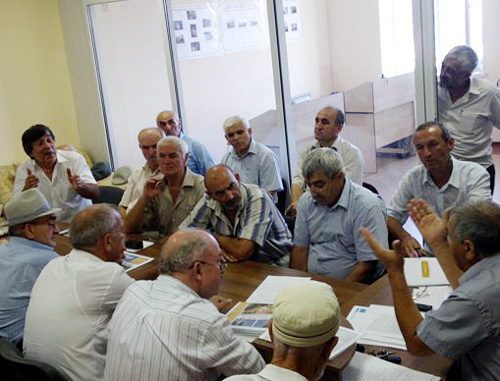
32	227
199	160
328	218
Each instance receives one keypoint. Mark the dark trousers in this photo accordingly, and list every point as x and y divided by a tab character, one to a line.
491	171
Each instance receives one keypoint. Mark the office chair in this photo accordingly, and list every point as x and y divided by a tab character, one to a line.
17	368
109	195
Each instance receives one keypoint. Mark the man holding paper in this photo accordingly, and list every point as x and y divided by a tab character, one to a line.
440	180
466	328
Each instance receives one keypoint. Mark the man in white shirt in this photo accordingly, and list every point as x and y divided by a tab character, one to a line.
166	329
469	107
63	177
306	317
75	295
440	180
148	139
328	124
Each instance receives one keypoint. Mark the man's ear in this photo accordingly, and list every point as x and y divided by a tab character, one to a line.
270	329
29	232
470	254
451	144
329	345
249	132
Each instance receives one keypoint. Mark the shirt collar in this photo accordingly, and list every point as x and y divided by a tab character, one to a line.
453	181
188	181
274	372
252	149
171	282
335	143
31	243
479	267
343	201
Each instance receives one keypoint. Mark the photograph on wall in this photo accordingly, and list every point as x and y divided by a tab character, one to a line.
243	24
293	22
195	31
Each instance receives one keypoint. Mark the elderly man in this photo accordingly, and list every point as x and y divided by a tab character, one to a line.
165	203
75	295
466	328
328	218
328	124
148	140
63	177
306	318
243	219
252	161
440	180
32	227
167	329
469	107
199	158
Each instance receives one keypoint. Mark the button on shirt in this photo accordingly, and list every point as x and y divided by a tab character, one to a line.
331	233
58	191
470	120
162	330
259	166
70	307
466	328
135	185
21	261
257	220
199	160
351	155
163	215
468	182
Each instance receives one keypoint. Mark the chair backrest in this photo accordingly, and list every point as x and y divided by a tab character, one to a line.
109	195
14	367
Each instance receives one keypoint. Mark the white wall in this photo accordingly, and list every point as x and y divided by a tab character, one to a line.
34	77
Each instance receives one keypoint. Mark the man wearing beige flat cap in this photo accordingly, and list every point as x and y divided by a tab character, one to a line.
32	228
306	318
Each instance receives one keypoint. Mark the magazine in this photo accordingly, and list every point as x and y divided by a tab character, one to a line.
250	319
132	260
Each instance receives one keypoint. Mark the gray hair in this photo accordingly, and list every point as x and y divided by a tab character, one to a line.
340	118
478	222
465	55
160	132
326	159
232	120
92	223
180	257
445	133
173	139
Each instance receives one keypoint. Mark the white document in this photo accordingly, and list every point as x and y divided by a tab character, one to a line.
378	326
414	273
271	286
370	368
432	295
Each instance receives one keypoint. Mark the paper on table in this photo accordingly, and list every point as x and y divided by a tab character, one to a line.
271	286
347	337
434	296
413	272
370	368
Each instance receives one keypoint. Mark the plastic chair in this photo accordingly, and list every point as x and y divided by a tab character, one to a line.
109	195
15	367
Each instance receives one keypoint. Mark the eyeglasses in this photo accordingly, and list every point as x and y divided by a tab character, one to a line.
51	221
222	265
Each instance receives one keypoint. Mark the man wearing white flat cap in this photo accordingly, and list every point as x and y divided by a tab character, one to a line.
306	318
32	228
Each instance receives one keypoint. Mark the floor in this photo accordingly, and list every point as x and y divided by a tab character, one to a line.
390	170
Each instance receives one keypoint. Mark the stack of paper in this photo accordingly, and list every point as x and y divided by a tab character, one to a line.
424	271
250	319
432	295
370	368
271	286
377	325
132	261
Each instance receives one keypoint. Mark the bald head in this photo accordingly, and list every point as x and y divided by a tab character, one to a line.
169	122
223	186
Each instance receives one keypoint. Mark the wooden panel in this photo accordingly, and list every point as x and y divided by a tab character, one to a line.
360	99
394	124
391	92
359	130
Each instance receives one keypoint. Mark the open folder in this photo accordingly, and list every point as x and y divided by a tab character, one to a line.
424	271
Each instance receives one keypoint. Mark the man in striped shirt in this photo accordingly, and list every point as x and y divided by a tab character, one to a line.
166	329
242	218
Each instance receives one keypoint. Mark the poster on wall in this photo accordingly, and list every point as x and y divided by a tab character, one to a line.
243	24
293	22
196	32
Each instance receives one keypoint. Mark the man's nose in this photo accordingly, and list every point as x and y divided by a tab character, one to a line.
229	195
